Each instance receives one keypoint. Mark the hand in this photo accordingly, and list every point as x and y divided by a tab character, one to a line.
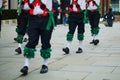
60	10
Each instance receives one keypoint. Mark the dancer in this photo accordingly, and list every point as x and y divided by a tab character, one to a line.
41	22
75	20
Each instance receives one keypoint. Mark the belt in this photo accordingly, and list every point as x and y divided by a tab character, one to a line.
95	10
27	11
40	15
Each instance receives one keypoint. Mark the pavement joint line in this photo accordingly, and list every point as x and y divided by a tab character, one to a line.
27	74
40	67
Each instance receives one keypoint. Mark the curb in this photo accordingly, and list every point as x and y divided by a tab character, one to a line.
12	22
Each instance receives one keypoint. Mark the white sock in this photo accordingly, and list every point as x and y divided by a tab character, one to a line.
26	36
69	44
20	45
95	37
45	62
27	62
80	43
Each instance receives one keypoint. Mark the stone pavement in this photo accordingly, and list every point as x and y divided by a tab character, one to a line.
101	62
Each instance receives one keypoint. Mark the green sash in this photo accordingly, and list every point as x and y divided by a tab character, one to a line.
19	7
50	21
98	7
85	18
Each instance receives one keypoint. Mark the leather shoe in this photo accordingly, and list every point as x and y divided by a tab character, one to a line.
24	70
66	50
15	39
96	42
25	40
44	69
79	50
18	50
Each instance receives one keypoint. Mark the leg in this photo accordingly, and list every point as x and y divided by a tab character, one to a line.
80	35
22	24
46	49
69	38
29	49
94	21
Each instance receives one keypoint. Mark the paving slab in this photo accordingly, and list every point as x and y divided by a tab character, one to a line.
101	62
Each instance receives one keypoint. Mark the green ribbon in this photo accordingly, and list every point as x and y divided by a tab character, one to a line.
98	7
95	30
80	37
19	9
50	21
85	18
46	53
16	30
19	38
69	37
29	52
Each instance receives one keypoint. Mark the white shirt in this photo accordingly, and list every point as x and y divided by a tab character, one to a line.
91	7
1	1
26	6
82	4
38	10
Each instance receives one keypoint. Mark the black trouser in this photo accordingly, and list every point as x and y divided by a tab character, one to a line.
22	22
0	21
36	29
94	19
74	20
56	19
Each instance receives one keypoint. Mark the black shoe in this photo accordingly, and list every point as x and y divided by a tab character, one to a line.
96	42
66	50
18	50
25	40
92	42
79	50
15	39
24	70
44	69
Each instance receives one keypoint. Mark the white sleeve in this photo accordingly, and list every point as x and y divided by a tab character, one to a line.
48	4
98	2
82	4
58	1
30	1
